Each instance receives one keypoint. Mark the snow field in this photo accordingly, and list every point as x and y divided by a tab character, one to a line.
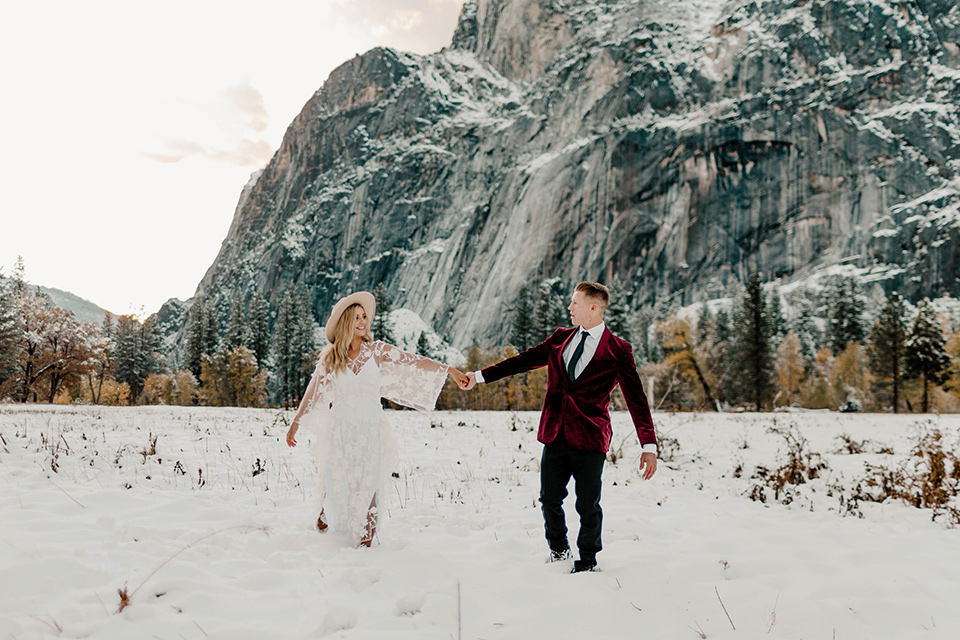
210	543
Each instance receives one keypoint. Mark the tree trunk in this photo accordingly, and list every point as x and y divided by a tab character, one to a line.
926	394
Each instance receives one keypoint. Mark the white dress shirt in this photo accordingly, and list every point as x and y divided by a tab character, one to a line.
589	347
589	350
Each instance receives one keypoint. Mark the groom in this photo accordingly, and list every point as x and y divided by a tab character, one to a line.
584	364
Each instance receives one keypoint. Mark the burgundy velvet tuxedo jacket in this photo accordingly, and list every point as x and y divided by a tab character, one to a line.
579	407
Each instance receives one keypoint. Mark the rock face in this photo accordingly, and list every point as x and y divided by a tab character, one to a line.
676	145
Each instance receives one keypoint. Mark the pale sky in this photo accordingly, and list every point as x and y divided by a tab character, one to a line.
128	129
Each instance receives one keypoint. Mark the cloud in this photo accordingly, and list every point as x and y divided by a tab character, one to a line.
243	103
246	153
421	26
247	101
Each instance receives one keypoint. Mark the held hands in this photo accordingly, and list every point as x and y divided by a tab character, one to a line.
469	381
648	465
458	377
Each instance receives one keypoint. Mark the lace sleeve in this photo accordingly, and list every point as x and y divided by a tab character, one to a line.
315	395
408	379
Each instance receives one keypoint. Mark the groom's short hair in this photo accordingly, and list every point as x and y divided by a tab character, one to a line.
596	292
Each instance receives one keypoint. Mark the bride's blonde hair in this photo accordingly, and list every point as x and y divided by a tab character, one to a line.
334	355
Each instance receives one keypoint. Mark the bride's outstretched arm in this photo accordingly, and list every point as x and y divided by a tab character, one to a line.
310	397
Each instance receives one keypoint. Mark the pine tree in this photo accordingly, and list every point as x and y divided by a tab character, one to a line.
778	329
888	340
135	352
293	345
194	349
845	307
523	335
617	315
423	347
382	327
234	337
751	354
11	326
257	331
641	348
549	310
805	328
926	356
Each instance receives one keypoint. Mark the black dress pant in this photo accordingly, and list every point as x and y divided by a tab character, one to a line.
558	464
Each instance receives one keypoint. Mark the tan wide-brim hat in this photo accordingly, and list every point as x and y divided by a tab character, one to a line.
363	298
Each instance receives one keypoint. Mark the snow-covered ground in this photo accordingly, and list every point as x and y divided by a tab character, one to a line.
211	535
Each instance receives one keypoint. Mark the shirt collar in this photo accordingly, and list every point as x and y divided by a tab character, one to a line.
595	332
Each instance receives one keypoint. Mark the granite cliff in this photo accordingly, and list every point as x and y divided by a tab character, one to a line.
676	145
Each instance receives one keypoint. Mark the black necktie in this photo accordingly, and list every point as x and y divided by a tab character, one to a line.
575	358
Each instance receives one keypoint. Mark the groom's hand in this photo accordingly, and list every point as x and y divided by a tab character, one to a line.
470	382
648	465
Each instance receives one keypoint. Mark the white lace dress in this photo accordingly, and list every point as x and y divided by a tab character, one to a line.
353	442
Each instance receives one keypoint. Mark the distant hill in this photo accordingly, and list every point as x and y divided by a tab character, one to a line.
83	309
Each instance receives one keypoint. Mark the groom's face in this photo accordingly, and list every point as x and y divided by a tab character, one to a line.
581	309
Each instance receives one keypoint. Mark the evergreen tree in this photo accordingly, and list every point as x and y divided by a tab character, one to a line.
11	327
257	330
805	328
234	337
135	352
778	329
926	355
550	310
382	327
198	338
750	366
641	350
888	340
705	325
523	335
423	348
617	315
293	345
211	328
845	307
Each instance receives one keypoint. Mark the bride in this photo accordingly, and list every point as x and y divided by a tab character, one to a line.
355	446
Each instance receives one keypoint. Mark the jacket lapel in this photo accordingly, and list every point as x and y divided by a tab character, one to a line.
602	347
559	356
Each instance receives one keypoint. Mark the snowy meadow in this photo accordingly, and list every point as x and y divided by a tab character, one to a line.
194	523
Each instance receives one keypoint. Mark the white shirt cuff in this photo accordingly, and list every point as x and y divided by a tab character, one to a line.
479	376
650	448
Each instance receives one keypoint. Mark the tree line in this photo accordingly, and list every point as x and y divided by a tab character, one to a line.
839	347
47	355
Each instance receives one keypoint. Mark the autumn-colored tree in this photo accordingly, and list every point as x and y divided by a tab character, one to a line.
683	355
54	347
231	378
157	389
789	367
185	388
850	375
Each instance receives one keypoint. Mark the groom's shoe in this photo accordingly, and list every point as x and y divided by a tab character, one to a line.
579	566
560	556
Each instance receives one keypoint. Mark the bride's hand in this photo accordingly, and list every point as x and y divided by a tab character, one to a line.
458	377
291	442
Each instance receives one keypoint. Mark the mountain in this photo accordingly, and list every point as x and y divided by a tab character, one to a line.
678	146
83	309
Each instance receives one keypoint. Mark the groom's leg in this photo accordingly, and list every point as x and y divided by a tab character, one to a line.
588	471
555	473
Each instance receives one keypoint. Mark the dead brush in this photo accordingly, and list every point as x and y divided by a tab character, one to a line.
929	479
849	446
801	465
150	449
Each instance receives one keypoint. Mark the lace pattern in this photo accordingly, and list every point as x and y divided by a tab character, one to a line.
353	442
